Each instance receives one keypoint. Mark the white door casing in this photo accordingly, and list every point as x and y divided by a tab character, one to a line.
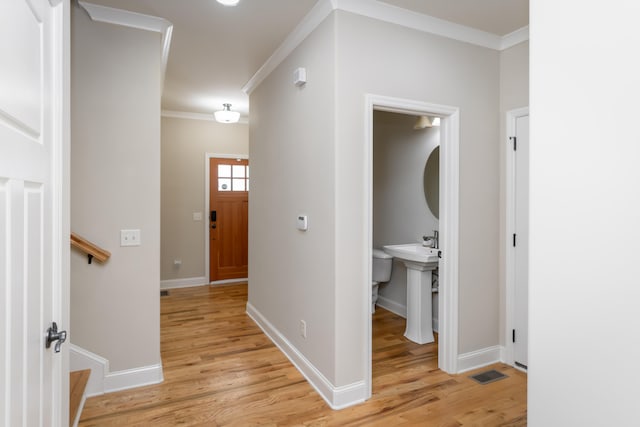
34	214
517	237
449	223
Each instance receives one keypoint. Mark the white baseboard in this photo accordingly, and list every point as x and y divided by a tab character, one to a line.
79	359
228	281
392	306
183	283
103	381
479	358
130	378
336	397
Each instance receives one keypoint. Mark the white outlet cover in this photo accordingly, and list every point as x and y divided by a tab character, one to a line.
130	238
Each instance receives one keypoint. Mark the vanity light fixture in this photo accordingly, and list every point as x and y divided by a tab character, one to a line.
226	115
426	122
228	2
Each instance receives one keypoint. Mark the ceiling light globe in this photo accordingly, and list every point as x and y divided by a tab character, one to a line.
226	115
228	2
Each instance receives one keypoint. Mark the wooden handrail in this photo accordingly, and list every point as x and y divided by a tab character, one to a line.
89	248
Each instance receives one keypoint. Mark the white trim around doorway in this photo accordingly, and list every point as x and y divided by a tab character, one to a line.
449	223
207	180
512	116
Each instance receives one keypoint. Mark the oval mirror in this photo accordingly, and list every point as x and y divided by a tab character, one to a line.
432	182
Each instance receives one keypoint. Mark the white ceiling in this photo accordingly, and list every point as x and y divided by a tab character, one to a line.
215	49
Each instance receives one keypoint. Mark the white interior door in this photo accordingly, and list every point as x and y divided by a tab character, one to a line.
521	240
33	217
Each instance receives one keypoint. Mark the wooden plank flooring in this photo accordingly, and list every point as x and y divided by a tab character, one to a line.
220	369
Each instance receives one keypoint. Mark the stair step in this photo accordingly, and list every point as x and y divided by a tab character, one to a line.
77	383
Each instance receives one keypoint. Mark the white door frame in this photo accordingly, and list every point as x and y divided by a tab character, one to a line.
207	180
449	224
512	117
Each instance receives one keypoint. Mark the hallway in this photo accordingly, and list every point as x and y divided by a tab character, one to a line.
220	369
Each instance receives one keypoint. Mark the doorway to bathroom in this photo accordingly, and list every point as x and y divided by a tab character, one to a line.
399	206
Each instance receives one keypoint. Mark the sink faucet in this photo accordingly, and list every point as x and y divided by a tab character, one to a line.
434	240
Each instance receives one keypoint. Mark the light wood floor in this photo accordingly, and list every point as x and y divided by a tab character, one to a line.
220	369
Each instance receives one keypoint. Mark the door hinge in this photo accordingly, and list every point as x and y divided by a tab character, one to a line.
513	335
515	142
514	240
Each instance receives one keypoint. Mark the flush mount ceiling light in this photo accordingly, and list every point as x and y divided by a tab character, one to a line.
228	2
226	115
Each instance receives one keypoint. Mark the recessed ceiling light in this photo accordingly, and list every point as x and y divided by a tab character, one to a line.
228	2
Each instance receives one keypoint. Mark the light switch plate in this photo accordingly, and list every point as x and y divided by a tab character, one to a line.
197	216
130	238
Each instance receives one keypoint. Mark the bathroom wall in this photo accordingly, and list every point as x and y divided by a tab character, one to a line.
400	211
115	184
184	144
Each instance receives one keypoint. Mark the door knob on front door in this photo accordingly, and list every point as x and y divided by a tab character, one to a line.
54	335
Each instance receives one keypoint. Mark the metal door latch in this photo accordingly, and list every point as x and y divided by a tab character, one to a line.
54	335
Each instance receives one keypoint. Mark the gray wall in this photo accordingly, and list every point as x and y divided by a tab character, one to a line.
184	145
291	134
308	156
115	184
400	211
385	59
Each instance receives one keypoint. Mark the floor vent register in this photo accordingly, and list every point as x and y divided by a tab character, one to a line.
488	377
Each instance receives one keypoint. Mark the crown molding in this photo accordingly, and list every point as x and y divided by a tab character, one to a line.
514	38
310	22
418	21
140	21
197	116
386	13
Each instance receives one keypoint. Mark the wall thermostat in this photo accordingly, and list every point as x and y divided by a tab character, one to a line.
302	223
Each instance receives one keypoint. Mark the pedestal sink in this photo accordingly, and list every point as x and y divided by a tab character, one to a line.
420	262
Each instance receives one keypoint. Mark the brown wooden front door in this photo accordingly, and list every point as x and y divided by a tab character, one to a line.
228	219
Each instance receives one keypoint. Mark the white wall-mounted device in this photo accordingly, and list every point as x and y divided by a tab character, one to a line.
300	76
130	238
302	223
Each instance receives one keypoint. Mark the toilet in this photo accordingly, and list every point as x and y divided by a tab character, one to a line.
381	273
